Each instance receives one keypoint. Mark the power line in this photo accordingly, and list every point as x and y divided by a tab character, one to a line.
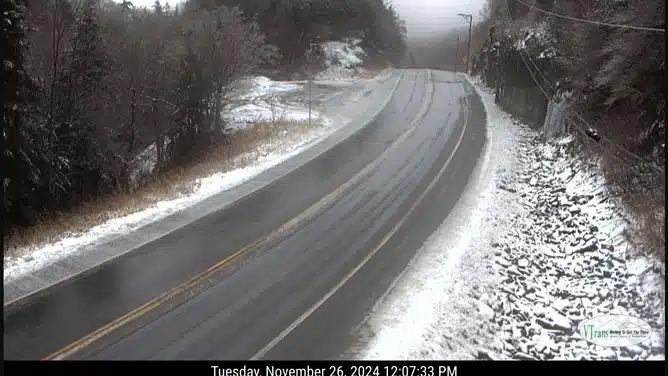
621	148
576	113
548	97
469	6
590	21
640	159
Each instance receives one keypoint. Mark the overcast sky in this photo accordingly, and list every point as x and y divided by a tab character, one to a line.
423	17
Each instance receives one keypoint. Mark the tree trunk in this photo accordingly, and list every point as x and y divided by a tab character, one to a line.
133	111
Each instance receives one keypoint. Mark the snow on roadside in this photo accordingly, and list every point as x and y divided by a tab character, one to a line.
259	103
242	116
256	103
343	60
260	86
535	247
266	157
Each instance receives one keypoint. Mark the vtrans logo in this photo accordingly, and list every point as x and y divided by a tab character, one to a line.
615	330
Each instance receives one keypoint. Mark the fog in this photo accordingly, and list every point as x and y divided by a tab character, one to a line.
424	18
433	28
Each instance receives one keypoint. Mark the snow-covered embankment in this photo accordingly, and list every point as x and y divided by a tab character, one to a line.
254	108
258	102
533	248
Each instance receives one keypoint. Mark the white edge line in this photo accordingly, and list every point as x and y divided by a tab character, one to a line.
154	238
345	279
480	170
305	215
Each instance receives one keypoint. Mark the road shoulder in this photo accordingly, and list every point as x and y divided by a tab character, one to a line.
103	249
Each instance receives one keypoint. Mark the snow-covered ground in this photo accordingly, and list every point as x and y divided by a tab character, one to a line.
533	248
258	102
260	91
206	187
343	60
262	104
260	99
362	98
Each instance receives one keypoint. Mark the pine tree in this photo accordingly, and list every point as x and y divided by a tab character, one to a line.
82	130
24	155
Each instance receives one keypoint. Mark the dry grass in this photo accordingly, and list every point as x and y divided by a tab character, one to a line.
240	150
641	190
368	74
643	194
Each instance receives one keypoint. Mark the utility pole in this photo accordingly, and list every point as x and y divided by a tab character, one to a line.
457	55
309	64
310	79
469	18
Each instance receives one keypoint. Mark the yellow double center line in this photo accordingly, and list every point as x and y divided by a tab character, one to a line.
303	217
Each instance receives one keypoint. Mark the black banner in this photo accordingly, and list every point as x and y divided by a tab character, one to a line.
344	368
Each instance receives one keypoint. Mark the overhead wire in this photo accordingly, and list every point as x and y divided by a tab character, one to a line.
599	23
580	117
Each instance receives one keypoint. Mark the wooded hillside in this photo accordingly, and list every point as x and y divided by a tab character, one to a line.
90	83
608	59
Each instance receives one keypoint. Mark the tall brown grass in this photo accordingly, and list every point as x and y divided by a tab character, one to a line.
239	150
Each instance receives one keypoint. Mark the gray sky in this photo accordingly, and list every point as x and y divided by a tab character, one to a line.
423	17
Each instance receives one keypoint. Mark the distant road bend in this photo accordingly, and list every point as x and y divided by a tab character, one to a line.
288	272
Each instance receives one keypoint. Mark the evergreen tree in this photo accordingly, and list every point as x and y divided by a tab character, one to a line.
25	155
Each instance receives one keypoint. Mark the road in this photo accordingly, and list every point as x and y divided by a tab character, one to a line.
289	272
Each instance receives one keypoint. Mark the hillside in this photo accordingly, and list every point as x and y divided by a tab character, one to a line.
595	70
91	86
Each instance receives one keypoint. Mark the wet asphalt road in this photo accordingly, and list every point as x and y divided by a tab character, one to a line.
287	288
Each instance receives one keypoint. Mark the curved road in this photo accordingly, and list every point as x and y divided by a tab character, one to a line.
289	272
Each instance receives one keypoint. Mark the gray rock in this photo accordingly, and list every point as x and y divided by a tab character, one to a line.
507	188
581	344
555	321
639	304
523	356
607	353
567	231
485	355
503	262
610	247
589	246
541	347
634	350
509	347
516	332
